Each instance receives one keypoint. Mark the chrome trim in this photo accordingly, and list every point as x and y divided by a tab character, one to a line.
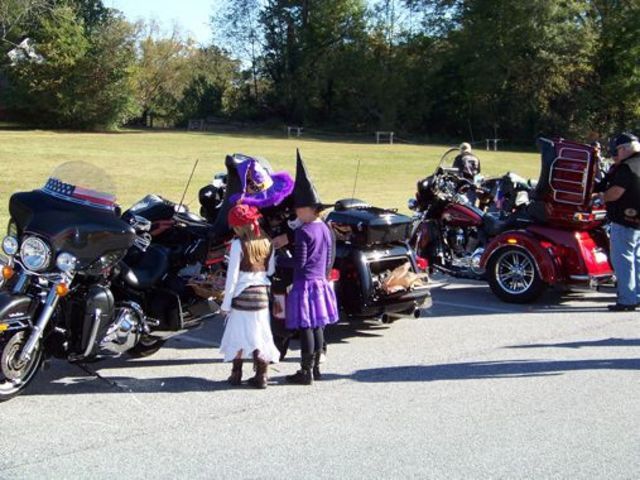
20	285
15	325
141	316
38	328
94	333
584	174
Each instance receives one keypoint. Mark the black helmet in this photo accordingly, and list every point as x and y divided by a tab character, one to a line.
621	139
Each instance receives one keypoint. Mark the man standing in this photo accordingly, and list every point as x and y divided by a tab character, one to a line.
623	209
466	162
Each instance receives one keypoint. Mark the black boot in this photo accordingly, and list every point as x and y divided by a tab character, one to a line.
304	375
235	378
316	365
259	380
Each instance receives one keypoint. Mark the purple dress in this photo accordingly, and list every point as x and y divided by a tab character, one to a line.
311	302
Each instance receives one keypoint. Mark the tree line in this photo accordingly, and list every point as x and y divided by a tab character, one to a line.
441	68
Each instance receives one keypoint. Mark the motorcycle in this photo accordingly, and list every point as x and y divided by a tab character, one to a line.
565	242
449	231
371	250
370	245
80	282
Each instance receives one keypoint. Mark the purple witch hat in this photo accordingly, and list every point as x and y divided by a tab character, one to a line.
260	187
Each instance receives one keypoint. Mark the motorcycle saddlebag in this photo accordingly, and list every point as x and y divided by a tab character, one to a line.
364	225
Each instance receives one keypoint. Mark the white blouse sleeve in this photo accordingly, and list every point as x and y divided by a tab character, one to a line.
233	272
271	269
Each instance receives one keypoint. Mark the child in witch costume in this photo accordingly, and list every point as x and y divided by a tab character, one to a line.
311	303
247	332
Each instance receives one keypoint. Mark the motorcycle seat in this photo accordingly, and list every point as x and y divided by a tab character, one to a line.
147	269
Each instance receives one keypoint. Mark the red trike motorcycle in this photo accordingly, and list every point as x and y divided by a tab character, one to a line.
556	238
564	241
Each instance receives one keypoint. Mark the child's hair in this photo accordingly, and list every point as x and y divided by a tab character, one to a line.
258	246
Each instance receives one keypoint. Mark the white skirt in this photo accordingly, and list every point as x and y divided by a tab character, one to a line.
248	331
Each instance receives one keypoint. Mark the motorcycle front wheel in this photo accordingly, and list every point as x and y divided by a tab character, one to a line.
513	276
15	375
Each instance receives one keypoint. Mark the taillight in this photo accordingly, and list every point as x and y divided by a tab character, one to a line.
334	275
422	263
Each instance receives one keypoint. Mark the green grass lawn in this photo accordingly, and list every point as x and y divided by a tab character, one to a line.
160	162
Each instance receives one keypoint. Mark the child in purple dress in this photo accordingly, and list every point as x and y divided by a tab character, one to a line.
311	303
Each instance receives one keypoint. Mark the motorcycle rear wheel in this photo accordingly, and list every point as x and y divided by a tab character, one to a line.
513	276
15	376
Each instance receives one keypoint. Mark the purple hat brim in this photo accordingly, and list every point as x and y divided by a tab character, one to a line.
274	195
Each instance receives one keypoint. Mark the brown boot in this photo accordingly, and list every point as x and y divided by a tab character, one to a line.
235	378
259	380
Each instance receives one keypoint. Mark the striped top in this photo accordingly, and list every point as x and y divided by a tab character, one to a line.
238	280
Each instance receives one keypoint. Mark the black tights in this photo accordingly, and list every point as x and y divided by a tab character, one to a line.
311	340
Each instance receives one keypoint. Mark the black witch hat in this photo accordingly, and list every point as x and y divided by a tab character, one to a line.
304	192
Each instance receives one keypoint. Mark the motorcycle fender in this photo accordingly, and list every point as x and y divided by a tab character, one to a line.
545	263
16	311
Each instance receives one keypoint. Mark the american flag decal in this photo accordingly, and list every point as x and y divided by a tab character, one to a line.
82	195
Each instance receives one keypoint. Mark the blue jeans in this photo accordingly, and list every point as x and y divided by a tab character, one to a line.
625	259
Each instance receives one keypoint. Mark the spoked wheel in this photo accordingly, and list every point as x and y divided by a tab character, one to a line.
147	346
513	276
14	374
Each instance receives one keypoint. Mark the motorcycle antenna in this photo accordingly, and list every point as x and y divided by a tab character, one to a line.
193	170
355	180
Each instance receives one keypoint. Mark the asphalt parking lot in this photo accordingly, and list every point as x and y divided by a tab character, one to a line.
474	389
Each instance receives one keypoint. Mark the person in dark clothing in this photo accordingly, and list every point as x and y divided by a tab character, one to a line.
466	162
311	302
622	197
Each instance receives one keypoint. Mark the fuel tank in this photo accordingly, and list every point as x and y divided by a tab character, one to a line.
458	215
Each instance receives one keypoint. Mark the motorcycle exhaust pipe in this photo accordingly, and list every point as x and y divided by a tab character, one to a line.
389	318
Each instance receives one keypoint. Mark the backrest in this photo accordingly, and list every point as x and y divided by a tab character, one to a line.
570	174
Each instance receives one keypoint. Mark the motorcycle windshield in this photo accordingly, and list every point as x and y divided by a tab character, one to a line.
74	212
82	183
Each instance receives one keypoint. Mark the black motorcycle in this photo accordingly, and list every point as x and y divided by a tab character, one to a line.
80	282
371	244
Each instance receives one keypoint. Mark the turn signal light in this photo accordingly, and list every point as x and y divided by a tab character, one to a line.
512	241
4	327
422	263
584	217
62	289
7	272
334	275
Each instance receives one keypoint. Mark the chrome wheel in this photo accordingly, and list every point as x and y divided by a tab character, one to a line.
15	375
513	276
515	272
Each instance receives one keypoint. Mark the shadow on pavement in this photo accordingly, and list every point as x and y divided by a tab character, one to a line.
485	370
452	298
416	373
605	342
99	385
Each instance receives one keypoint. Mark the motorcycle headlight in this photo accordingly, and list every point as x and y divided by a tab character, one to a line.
35	254
10	245
66	262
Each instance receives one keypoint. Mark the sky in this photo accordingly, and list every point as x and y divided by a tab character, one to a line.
191	15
